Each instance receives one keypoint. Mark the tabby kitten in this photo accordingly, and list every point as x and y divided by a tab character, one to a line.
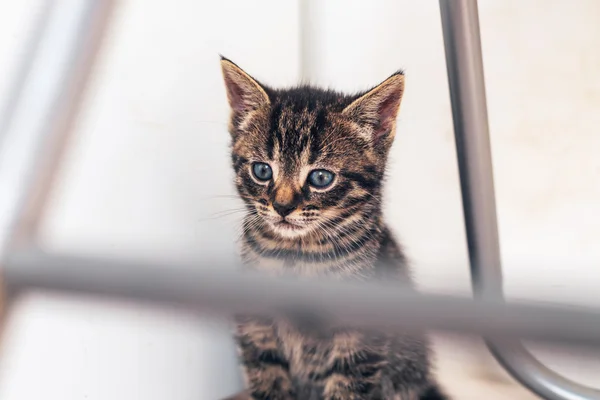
309	165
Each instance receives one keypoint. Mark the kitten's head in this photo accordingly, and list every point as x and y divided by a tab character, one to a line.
306	159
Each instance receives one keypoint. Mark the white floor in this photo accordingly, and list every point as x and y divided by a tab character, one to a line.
468	371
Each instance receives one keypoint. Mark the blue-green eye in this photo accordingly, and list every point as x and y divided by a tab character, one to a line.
320	178
262	171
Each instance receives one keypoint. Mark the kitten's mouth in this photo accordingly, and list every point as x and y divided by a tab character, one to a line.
289	229
287	225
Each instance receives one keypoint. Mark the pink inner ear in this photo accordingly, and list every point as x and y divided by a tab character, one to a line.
236	95
387	112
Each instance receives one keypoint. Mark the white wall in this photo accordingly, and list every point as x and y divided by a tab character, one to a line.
150	157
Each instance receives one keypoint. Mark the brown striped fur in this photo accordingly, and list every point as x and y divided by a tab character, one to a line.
336	231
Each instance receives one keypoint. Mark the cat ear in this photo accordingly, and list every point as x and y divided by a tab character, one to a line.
377	109
244	93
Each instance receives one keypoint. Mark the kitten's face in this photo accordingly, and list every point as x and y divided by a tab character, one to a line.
307	160
301	169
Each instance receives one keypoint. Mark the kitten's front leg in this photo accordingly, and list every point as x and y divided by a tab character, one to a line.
265	366
377	368
354	381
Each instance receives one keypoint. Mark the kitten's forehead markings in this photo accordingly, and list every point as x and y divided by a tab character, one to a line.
276	150
304	173
279	138
305	155
282	126
311	120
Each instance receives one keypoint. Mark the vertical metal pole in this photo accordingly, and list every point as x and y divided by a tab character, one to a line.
469	108
460	24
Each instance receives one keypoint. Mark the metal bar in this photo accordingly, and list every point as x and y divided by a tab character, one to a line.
460	23
38	123
42	108
226	291
19	78
468	98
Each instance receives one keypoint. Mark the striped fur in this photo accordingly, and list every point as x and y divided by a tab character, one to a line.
335	231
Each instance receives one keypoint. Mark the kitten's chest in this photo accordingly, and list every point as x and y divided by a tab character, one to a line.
312	257
311	348
301	268
307	268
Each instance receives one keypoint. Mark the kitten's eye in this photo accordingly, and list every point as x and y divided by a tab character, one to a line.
320	178
262	171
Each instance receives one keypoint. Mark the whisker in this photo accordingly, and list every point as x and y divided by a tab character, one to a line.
251	221
225	213
222	196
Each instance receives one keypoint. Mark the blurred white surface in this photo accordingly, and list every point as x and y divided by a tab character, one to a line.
72	349
149	165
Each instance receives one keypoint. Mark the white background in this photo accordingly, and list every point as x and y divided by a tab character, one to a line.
148	167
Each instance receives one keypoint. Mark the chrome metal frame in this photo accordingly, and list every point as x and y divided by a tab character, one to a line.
460	22
34	133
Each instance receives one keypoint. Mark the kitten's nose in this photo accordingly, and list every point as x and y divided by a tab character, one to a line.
284	209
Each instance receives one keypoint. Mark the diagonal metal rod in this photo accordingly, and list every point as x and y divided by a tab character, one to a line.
460	23
35	130
42	107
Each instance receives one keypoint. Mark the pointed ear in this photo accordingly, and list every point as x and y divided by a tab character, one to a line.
377	109
244	93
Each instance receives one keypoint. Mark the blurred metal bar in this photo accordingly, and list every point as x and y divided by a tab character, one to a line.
41	106
469	109
226	291
44	103
26	64
37	124
460	22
